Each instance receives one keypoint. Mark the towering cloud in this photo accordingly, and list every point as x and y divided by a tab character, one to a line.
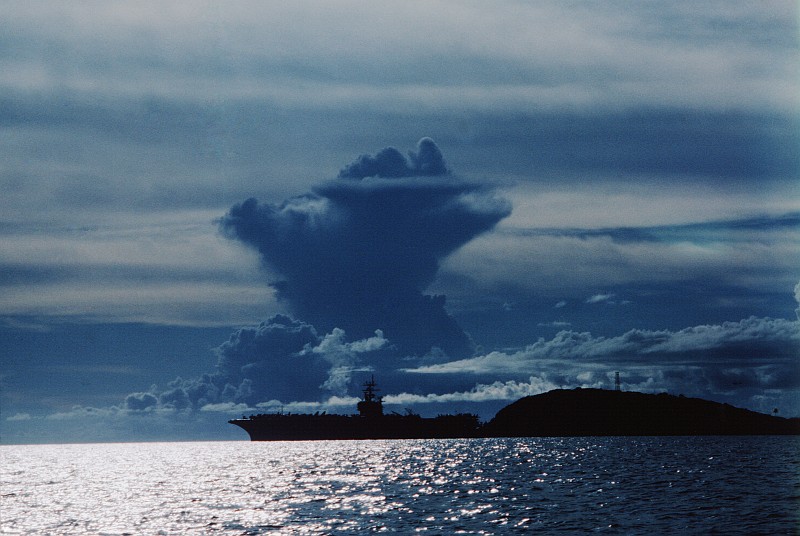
358	252
797	297
426	161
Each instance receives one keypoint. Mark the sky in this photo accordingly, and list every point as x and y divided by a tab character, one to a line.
211	210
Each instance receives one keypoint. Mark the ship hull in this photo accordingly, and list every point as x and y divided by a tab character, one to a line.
329	427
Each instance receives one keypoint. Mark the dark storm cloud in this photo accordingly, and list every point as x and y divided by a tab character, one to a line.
280	359
140	401
358	254
269	358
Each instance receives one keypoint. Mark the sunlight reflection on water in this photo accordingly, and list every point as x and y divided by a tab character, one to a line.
617	485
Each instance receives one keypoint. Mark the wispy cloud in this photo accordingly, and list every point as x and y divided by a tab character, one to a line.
304	53
752	362
508	390
598	298
749	342
172	269
748	253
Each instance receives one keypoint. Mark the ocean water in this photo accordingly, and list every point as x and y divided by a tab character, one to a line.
647	485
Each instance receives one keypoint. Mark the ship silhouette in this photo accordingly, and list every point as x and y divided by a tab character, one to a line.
561	412
369	423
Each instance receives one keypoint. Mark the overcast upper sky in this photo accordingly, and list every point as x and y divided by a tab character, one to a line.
214	209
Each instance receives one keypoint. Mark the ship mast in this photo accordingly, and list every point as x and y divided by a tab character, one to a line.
372	404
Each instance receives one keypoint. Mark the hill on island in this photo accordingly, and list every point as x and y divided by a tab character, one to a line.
598	412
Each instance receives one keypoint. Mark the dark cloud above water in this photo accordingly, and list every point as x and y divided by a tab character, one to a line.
280	359
358	254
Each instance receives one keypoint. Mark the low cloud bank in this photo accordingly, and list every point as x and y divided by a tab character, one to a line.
280	359
284	365
753	362
749	342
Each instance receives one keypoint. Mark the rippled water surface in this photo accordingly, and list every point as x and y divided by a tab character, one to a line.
726	485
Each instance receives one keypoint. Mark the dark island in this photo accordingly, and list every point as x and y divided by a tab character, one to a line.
598	412
576	412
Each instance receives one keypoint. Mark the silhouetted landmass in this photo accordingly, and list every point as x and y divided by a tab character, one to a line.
579	412
597	412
